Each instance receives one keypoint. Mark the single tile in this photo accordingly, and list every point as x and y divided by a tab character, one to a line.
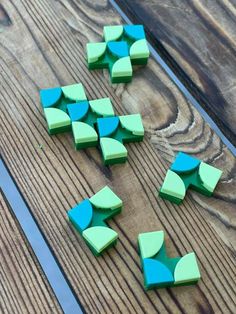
139	50
81	215
107	126
156	274
50	97
112	150
184	163
99	237
113	32
132	123
118	49
209	176
84	135
173	186
135	32
186	270
106	199
122	68
78	111
95	51
74	92
150	243
57	120
102	107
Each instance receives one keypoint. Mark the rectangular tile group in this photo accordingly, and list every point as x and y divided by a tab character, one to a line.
92	122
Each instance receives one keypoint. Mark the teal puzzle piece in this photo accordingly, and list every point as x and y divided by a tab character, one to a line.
90	217
114	132
123	46
161	271
188	172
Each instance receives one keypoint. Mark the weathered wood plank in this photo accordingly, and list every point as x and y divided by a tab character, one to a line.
23	286
44	46
200	37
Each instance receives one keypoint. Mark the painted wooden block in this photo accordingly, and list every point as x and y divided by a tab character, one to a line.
90	219
123	46
114	132
161	271
189	172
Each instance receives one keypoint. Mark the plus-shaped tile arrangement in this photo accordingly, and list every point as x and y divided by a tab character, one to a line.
123	46
90	216
67	109
161	271
189	172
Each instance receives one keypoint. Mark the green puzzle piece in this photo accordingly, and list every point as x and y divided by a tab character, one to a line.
58	121
150	243
186	270
131	48
106	199
99	238
113	151
90	216
102	107
159	269
189	172
74	92
84	135
112	33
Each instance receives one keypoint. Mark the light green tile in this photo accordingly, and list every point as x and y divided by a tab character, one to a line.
95	51
112	33
150	243
139	50
173	185
74	92
132	123
187	269
209	176
56	118
99	237
106	199
112	148
102	107
122	68
83	132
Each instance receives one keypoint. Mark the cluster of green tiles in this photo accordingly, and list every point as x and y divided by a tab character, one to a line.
188	172
123	46
160	270
90	217
67	109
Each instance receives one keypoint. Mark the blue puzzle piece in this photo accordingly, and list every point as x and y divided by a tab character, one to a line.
136	32
106	126
49	97
118	48
156	273
184	163
78	111
81	215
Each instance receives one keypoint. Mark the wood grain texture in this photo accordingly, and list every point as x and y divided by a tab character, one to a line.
44	47
197	39
23	287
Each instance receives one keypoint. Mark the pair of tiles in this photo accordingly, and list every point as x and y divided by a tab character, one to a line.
123	46
188	172
67	108
89	218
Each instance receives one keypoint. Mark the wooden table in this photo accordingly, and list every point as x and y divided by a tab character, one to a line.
42	45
